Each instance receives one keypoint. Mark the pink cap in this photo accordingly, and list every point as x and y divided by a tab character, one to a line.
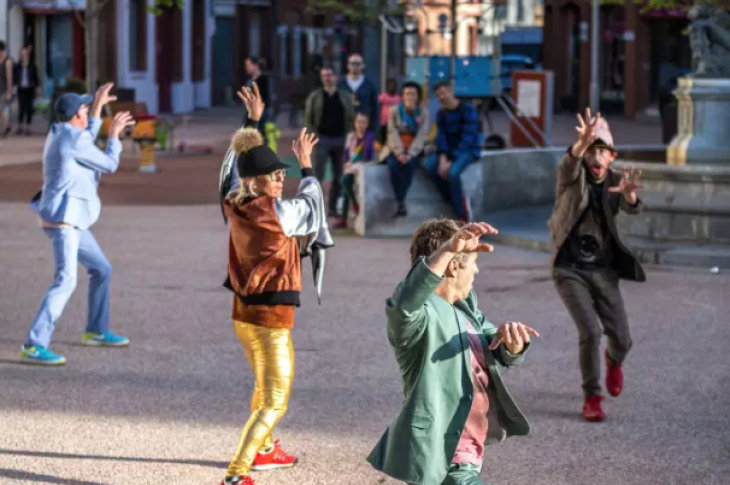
603	133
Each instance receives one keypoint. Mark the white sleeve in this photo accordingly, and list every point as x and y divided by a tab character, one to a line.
300	216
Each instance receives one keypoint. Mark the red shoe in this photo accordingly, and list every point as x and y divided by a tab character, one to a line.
355	208
340	223
276	458
614	378
244	480
592	409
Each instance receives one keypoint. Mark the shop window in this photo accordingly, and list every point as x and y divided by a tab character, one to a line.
137	35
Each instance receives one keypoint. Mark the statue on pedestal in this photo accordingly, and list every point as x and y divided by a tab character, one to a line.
709	36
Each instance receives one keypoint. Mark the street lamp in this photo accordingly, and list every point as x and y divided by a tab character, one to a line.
595	99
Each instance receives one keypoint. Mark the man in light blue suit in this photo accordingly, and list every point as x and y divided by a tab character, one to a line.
68	205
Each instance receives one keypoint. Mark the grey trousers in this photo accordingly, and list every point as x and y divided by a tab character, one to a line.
588	294
330	148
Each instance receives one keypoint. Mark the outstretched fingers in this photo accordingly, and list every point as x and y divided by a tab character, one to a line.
485	248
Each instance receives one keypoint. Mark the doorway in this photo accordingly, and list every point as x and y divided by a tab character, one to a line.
169	55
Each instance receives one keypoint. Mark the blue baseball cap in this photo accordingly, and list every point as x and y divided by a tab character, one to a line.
68	104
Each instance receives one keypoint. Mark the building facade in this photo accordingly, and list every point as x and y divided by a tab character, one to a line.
166	59
479	25
639	53
291	39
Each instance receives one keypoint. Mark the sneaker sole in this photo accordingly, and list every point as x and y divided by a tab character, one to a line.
32	361
261	468
94	343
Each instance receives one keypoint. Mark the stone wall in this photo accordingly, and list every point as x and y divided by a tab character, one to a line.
502	180
682	203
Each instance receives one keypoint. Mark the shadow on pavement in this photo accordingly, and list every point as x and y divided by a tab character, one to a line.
44	454
35	477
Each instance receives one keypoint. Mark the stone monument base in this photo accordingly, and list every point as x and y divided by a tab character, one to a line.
703	136
681	204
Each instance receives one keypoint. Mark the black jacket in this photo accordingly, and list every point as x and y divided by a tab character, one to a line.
32	75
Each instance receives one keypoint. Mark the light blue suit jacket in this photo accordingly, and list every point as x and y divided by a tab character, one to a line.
72	167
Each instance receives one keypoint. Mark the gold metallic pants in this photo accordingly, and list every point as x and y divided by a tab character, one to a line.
271	354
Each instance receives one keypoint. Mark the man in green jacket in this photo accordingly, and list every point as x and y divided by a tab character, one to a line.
455	399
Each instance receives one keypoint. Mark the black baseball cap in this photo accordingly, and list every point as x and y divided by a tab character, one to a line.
68	104
260	160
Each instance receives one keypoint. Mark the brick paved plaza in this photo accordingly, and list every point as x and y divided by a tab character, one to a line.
169	408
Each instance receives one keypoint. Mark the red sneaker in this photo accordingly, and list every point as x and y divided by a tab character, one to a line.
244	480
592	409
614	378
355	208
276	458
340	223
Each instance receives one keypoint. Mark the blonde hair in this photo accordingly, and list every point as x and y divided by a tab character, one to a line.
242	141
246	190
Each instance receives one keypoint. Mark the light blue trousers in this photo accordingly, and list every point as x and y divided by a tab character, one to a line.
70	247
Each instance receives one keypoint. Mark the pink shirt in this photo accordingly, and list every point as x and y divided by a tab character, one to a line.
386	102
471	444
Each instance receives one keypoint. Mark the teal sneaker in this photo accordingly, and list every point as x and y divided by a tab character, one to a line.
107	339
40	356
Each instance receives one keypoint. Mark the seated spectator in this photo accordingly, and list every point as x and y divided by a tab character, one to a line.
388	100
360	146
407	137
458	145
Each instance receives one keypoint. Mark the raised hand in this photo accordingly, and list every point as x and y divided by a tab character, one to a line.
252	99
586	132
102	96
119	123
628	185
302	148
514	336
467	239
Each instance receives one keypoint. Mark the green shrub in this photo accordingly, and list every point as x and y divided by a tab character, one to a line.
75	85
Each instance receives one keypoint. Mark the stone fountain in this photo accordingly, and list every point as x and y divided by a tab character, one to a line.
687	199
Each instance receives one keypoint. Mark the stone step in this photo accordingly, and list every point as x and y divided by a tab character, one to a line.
376	215
527	229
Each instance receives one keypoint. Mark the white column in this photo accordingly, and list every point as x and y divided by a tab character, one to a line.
3	19
183	97
143	82
14	30
203	88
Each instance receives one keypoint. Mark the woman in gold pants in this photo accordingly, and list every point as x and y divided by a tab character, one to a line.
264	272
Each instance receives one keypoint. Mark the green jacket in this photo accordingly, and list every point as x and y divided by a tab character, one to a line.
315	105
431	345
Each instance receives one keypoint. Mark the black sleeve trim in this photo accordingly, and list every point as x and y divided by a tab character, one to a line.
307	172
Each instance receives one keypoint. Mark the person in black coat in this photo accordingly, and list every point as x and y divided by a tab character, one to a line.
25	76
255	68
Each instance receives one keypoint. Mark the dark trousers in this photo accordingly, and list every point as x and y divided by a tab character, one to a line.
450	188
588	294
330	148
25	105
401	175
348	188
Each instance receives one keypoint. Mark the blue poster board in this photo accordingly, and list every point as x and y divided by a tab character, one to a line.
417	69
473	77
439	70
